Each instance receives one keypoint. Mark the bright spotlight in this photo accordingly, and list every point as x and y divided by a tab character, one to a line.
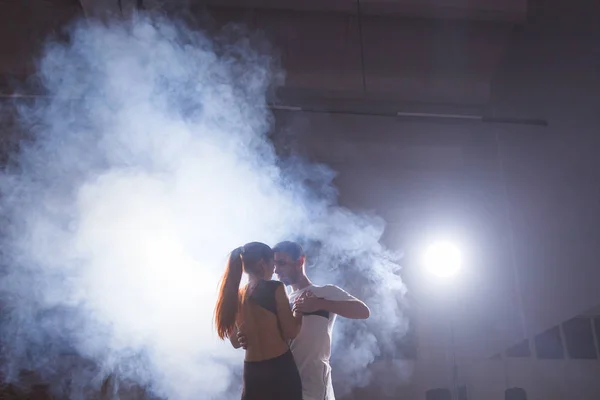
443	259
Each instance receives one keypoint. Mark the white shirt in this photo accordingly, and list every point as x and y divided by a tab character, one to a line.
312	347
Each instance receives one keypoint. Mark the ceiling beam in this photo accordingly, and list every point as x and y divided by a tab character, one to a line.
102	8
484	10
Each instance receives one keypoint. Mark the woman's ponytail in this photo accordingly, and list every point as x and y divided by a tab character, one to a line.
228	301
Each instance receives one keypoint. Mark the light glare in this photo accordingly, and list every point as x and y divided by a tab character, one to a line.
443	259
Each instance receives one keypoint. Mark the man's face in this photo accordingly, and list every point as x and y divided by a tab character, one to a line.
288	271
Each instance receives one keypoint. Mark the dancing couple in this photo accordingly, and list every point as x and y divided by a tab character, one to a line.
287	339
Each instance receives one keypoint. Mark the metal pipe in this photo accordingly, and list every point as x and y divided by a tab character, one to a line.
439	115
436	117
361	46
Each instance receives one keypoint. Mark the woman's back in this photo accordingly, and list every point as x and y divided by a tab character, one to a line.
266	320
261	311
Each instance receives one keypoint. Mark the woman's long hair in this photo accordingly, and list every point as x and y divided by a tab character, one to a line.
245	258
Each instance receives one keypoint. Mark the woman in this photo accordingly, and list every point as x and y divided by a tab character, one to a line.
262	308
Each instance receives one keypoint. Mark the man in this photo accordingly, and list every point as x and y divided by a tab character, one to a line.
320	305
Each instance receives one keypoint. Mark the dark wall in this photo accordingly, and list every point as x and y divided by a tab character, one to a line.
552	69
425	178
24	26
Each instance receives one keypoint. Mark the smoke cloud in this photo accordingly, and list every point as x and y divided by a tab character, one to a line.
147	163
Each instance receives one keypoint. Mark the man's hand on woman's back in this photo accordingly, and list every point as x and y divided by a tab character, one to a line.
241	338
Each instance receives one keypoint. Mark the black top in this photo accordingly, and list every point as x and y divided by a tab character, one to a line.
264	295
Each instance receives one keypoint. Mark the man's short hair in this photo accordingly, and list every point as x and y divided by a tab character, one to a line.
293	249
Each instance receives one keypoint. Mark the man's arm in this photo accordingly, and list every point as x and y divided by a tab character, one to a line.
353	309
337	301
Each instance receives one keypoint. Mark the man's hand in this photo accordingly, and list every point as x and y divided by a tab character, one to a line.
242	339
307	302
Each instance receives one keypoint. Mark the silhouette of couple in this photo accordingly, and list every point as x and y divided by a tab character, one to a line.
287	348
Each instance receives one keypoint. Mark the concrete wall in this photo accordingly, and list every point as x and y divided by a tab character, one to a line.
323	53
327	55
24	25
424	177
489	379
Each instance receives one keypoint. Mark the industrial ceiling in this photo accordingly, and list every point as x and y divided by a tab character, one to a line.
494	10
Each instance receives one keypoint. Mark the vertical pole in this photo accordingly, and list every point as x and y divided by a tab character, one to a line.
451	318
513	257
595	335
511	235
454	363
563	343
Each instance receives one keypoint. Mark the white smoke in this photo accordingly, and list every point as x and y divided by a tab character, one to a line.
148	162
